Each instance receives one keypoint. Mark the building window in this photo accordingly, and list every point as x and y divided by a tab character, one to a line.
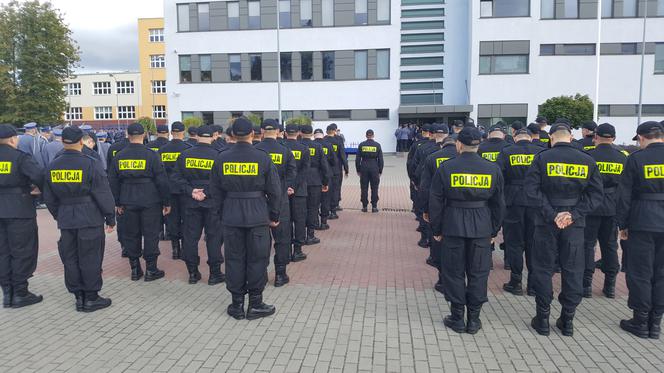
420	61
415	38
629	8
183	17
422	99
157	61
286	66
503	64
235	67
417	13
126	112
305	13
187	114
73	89
652	110
383	11
185	69
607	8
328	65
421	2
422	74
307	63
101	88
659	58
567	49
508	113
103	112
159	112
307	113
203	17
361	15
284	14
424	86
233	15
505	8
620	48
327	10
206	67
416	49
125	87
158	87
74	113
338	114
383	64
256	66
285	116
547	49
254	14
423	25
360	64
383	114
156	35
570	9
208	117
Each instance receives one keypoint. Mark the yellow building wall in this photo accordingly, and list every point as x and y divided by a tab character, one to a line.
89	113
145	50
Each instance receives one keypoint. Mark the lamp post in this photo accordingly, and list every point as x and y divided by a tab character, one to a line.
278	65
643	58
117	101
69	114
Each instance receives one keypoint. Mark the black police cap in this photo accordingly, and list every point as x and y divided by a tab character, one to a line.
306	129
318	130
541	119
192	130
470	136
590	126
370	133
457	123
517	125
648	128
7	131
162	128
440	128
496	127
242	127
206	131
333	126
177	127
533	128
426	127
560	125
292	128
270	125
135	129
72	135
605	130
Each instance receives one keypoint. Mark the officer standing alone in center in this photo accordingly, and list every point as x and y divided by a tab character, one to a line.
77	194
247	189
369	166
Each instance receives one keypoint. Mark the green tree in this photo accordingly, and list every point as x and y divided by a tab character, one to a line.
578	109
37	54
192	122
301	120
148	124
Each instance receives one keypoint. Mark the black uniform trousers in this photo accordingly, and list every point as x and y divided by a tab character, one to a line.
335	191
645	272
325	198
369	174
82	254
518	232
19	246
175	219
604	229
142	224
466	264
298	215
247	257
121	231
195	220
313	205
282	235
566	245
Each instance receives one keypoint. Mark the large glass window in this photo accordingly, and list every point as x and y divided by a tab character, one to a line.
434	48
74	113
383	64
422	99
254	14
103	112
578	49
629	8
327	12
185	69
235	64
233	15
407	38
101	88
183	17
305	13
507	64
361	15
571	9
159	111
419	61
284	14
206	67
505	8
383	10
607	8
159	87
421	2
422	25
125	87
126	112
659	58
425	86
307	63
203	17
423	13
73	89
360	64
157	61
286	64
328	65
156	35
256	66
422	74
548	9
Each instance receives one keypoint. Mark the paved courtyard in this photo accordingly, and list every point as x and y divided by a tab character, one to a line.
363	301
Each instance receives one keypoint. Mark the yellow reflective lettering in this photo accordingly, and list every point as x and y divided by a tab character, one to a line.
297	154
199	163
439	161
131	164
521	159
477	181
610	168
240	169
277	158
5	168
312	152
169	157
490	156
567	170
369	149
653	171
67	176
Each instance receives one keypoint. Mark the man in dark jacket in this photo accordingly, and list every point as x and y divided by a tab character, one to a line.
325	198
298	200
341	167
369	166
318	178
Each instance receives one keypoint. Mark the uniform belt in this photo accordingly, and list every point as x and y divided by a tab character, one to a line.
651	197
468	204
245	195
75	200
137	180
610	190
11	190
517	182
563	202
200	182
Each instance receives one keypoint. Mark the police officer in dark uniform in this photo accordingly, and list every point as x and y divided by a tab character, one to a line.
141	191
298	200
326	197
79	197
567	186
19	244
544	138
518	225
341	165
219	143
369	166
162	138
286	166
246	186
318	178
587	141
494	144
640	216
192	175
534	130
601	224
425	134
419	151
115	148
193	138
169	154
466	209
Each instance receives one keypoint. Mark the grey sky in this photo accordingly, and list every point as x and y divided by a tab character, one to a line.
106	30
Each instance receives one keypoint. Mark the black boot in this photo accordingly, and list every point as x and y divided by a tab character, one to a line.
280	276
439	286
152	272
194	274
124	252
431	262
455	320
474	323
258	309
566	323
136	270
298	255
93	302
311	238
374	209
339	208
541	320
333	216
236	309
323	225
216	275
513	287
7	296
654	325
638	325
609	289
21	297
177	249
364	208
80	299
